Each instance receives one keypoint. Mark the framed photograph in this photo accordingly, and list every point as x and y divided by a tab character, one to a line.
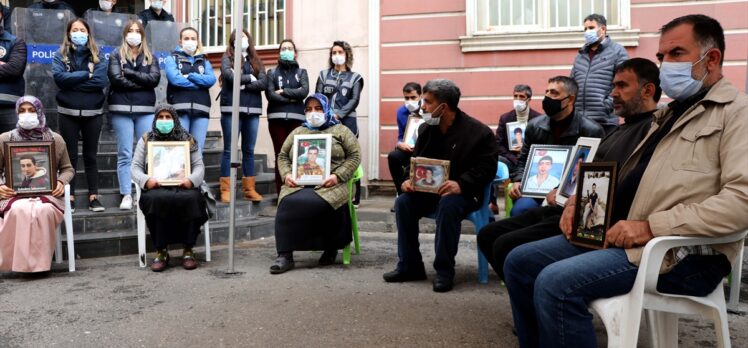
584	152
169	161
544	168
30	168
311	158
594	204
411	130
515	135
428	174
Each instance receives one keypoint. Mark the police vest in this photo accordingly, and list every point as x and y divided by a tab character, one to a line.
250	102
338	87
195	102
132	101
80	103
285	78
10	88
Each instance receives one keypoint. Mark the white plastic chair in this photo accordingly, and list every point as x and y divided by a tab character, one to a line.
622	314
68	216
141	232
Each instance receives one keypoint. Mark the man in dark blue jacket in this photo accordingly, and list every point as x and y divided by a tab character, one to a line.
155	13
52	5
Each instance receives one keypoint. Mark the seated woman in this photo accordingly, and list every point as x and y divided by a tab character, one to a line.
316	218
29	225
173	214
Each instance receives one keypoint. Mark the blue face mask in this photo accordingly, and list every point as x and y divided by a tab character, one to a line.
286	55
165	126
590	36
676	79
79	38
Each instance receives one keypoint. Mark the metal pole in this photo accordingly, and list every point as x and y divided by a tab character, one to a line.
238	18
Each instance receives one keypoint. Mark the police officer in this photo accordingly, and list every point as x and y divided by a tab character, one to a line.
12	66
52	5
155	13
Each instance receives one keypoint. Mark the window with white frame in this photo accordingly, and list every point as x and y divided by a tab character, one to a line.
264	19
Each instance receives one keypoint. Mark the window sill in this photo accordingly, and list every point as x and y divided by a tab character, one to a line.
539	40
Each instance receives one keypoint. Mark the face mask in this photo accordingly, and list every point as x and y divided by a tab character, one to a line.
164	126
105	5
676	79
552	106
430	119
189	46
157	5
412	105
338	59
245	43
520	105
133	39
590	36
79	38
286	55
28	120
315	119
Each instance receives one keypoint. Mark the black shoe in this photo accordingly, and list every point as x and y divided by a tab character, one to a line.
281	265
328	257
392	210
72	206
443	284
95	205
397	276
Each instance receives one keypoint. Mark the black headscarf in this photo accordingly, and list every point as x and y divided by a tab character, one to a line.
177	134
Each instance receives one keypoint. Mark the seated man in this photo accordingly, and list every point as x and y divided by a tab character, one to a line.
687	177
522	112
399	158
470	146
636	91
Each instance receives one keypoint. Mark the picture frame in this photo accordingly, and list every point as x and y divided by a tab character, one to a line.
428	174
595	194
169	162
537	180
314	170
514	143
30	167
584	150
410	135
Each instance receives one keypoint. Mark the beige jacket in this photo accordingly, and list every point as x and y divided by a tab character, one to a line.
696	183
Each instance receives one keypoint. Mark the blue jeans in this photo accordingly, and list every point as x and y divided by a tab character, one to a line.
550	282
124	127
449	212
197	126
524	204
248	125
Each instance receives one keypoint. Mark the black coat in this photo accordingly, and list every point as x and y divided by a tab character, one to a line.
132	85
510	116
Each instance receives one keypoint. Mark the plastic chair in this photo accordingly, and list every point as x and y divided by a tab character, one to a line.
354	218
141	232
68	218
622	314
508	201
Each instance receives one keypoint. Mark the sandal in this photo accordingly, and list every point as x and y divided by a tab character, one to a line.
282	264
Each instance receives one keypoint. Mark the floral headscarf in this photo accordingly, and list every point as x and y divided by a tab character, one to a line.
177	134
41	132
330	119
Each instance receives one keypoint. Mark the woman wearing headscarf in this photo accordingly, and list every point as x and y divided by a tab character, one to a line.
29	225
173	214
316	218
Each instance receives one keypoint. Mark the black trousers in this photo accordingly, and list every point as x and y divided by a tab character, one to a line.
498	238
89	130
399	164
8	118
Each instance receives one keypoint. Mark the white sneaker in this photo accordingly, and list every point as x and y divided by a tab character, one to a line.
126	203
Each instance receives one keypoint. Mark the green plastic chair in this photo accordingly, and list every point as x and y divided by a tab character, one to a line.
354	218
508	202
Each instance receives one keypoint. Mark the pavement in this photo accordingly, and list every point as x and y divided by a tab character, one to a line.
112	302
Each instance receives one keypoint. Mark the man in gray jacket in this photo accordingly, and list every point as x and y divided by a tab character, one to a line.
593	71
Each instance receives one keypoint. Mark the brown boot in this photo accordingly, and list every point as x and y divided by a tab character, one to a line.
225	189
248	186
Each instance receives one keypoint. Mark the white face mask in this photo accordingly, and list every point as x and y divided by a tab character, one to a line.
245	43
338	59
157	5
133	39
412	105
189	46
315	119
430	119
28	120
520	105
105	5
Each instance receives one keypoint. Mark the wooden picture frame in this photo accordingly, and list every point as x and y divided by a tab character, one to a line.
169	162
512	142
410	135
427	174
595	194
315	172
30	167
584	150
559	156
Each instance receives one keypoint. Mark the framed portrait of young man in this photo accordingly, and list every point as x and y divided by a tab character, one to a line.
30	168
515	135
427	174
594	204
169	161
584	152
410	135
543	170
311	158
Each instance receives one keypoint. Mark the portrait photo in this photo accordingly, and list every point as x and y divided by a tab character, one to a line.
544	168
169	161
311	158
593	204
427	174
515	135
584	152
29	169
410	135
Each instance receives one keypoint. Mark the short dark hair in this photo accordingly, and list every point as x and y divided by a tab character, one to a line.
706	30
312	148
546	158
428	169
523	88
27	157
412	86
517	130
646	72
600	19
445	91
569	84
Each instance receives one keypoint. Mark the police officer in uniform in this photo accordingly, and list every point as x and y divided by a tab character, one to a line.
52	5
12	66
155	13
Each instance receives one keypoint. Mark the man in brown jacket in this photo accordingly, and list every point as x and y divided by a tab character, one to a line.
688	177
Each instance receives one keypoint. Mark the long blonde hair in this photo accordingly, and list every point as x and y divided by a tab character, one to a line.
66	43
124	50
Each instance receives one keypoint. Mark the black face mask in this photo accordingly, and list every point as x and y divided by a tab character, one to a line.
552	106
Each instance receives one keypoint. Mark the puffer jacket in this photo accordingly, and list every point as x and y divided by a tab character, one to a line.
595	80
